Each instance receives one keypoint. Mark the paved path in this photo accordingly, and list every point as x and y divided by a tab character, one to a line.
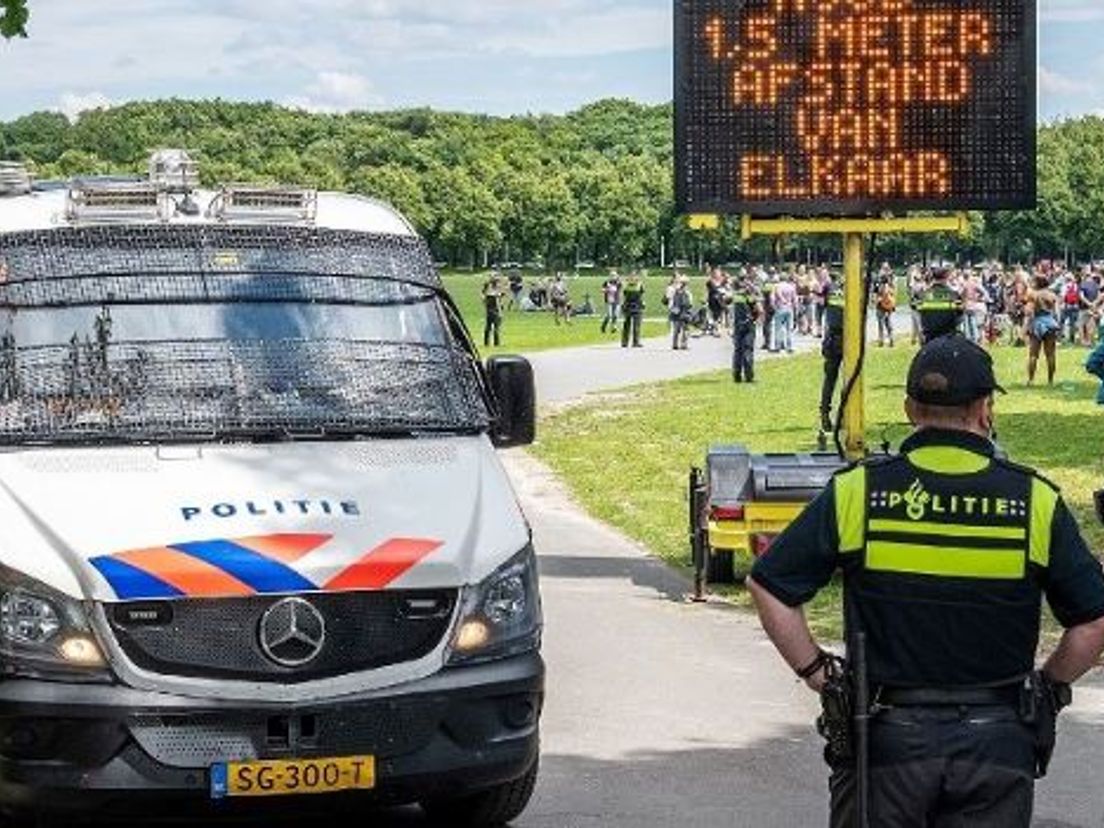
659	713
568	374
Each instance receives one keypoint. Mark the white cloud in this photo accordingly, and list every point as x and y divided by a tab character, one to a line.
336	55
1055	83
599	33
72	104
420	29
1071	11
337	92
320	55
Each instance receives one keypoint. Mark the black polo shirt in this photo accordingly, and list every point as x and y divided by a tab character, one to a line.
932	575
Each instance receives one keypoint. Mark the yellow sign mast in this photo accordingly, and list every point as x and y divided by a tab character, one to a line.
853	231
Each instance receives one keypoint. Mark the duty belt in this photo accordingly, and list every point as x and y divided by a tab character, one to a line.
948	696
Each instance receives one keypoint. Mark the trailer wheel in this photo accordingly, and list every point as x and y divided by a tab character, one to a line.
721	567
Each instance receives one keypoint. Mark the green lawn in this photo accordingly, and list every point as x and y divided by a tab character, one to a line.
527	332
626	455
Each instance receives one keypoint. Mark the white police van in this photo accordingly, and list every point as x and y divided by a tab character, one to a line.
254	537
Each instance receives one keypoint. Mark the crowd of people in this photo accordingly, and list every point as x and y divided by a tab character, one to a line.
1015	303
1037	308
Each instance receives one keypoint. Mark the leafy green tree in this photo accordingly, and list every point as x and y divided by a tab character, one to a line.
75	162
14	15
593	184
468	216
399	186
40	137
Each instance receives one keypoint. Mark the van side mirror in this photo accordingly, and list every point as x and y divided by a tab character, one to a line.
515	393
1099	498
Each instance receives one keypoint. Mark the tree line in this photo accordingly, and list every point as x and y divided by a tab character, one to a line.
592	185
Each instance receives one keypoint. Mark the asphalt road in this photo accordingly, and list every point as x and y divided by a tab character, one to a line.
567	375
662	713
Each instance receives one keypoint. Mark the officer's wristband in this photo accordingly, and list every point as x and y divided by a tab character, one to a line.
814	666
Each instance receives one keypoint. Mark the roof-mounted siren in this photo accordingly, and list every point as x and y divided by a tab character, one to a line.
173	171
264	204
112	201
15	179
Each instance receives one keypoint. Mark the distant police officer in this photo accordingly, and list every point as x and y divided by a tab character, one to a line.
493	293
946	552
745	310
831	348
632	306
941	307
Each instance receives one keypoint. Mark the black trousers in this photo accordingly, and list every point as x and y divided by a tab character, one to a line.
832	351
631	328
743	353
943	768
492	330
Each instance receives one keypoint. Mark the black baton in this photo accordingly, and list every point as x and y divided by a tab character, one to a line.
862	730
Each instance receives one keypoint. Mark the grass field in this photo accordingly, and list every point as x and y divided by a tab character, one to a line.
527	332
626	455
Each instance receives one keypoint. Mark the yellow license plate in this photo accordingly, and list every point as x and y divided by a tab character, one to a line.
294	776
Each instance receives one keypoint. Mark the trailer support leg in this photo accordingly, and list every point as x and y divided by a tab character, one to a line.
699	546
855	300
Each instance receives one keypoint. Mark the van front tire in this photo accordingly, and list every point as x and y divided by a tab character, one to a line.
491	808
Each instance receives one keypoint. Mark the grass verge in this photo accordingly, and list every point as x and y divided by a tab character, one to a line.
626	455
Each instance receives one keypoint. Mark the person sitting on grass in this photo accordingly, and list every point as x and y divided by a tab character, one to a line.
586	309
1095	364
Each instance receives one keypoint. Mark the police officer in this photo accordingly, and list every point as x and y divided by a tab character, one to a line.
941	307
493	294
831	348
946	552
745	310
632	306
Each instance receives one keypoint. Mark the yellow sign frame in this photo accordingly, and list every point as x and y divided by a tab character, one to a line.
853	231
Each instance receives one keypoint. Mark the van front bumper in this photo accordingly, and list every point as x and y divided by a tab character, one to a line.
72	747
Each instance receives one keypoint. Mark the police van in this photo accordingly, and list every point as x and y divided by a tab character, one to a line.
255	540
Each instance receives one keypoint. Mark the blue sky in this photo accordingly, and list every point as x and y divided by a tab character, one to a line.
496	56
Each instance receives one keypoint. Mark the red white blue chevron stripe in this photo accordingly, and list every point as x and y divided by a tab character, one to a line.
259	565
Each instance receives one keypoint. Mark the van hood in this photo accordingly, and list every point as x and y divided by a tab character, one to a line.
113	524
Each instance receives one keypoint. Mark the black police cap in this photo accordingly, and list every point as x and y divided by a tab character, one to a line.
951	371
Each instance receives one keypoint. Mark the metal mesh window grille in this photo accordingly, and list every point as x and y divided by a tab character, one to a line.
94	386
148	258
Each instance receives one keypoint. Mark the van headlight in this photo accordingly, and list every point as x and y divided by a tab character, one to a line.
501	616
45	633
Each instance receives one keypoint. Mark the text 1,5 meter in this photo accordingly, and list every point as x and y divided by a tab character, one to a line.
850	107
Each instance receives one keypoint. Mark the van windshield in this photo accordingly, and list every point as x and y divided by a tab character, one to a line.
250	337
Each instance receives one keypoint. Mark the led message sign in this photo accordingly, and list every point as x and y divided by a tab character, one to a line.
850	107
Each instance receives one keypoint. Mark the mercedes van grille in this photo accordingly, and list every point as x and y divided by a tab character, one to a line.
221	638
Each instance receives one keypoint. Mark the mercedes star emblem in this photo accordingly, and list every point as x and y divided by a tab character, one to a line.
292	632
